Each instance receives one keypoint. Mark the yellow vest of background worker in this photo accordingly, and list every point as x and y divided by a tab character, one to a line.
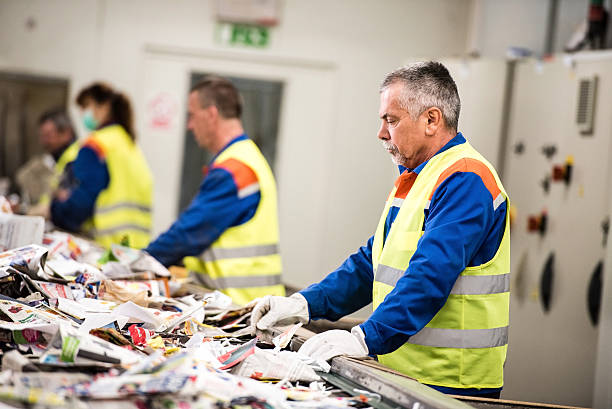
123	209
244	262
69	155
465	344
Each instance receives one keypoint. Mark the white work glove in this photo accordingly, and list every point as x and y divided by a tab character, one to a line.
328	344
274	310
264	364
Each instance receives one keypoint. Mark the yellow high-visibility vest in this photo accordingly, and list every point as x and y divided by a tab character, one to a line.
465	344
244	262
69	155
123	209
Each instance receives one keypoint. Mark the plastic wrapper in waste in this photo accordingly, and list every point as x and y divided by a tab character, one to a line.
140	335
120	293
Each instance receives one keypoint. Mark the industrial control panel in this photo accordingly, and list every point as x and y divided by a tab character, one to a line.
549	122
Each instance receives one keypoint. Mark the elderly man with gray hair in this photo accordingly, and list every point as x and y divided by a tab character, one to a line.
437	267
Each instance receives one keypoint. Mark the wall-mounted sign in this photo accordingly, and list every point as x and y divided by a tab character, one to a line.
161	109
258	12
243	35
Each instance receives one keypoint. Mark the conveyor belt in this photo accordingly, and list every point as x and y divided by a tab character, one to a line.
398	390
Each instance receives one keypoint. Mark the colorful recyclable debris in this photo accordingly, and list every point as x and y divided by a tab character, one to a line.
85	327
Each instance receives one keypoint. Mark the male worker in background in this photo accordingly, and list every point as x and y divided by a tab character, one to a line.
57	137
437	267
230	229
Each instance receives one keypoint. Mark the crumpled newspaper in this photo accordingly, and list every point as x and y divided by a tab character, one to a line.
265	364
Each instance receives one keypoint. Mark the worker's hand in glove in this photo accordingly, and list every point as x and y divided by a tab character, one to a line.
274	310
329	344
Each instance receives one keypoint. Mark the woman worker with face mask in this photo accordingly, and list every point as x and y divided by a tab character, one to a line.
110	195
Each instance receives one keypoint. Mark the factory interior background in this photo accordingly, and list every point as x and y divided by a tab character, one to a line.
311	76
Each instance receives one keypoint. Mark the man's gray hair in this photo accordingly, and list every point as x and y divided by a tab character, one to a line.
426	85
60	119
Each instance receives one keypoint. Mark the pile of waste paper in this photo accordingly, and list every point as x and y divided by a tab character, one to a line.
82	326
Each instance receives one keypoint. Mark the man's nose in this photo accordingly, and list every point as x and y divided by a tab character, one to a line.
382	132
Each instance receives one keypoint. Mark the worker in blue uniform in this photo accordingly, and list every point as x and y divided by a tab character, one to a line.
228	236
437	267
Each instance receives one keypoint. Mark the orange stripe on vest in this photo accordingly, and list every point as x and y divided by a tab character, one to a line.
95	146
404	183
474	166
243	175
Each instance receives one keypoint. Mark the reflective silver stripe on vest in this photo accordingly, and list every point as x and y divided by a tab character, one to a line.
397	202
465	285
460	338
123	205
237	282
388	275
213	254
248	190
489	284
121	227
498	201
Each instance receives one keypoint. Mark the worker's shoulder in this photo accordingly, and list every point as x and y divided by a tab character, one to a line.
242	174
94	143
471	167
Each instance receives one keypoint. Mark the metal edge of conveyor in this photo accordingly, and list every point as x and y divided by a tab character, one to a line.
401	390
352	388
395	390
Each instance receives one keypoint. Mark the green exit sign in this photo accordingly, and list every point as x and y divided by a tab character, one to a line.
243	35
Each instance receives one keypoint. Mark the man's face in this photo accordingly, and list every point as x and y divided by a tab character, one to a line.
200	122
402	137
50	138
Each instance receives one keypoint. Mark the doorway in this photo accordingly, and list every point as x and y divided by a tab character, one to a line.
23	98
260	117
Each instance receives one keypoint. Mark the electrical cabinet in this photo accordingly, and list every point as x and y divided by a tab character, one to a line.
547	127
558	174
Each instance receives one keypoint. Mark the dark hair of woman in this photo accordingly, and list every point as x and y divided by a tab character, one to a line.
120	107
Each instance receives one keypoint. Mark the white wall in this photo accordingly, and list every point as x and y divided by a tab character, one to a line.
87	39
499	24
480	83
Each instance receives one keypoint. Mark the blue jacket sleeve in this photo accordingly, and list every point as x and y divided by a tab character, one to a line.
89	176
215	208
460	224
345	290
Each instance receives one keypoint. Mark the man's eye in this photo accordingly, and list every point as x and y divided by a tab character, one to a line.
391	121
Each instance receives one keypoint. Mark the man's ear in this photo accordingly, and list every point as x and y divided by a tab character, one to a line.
212	112
434	121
